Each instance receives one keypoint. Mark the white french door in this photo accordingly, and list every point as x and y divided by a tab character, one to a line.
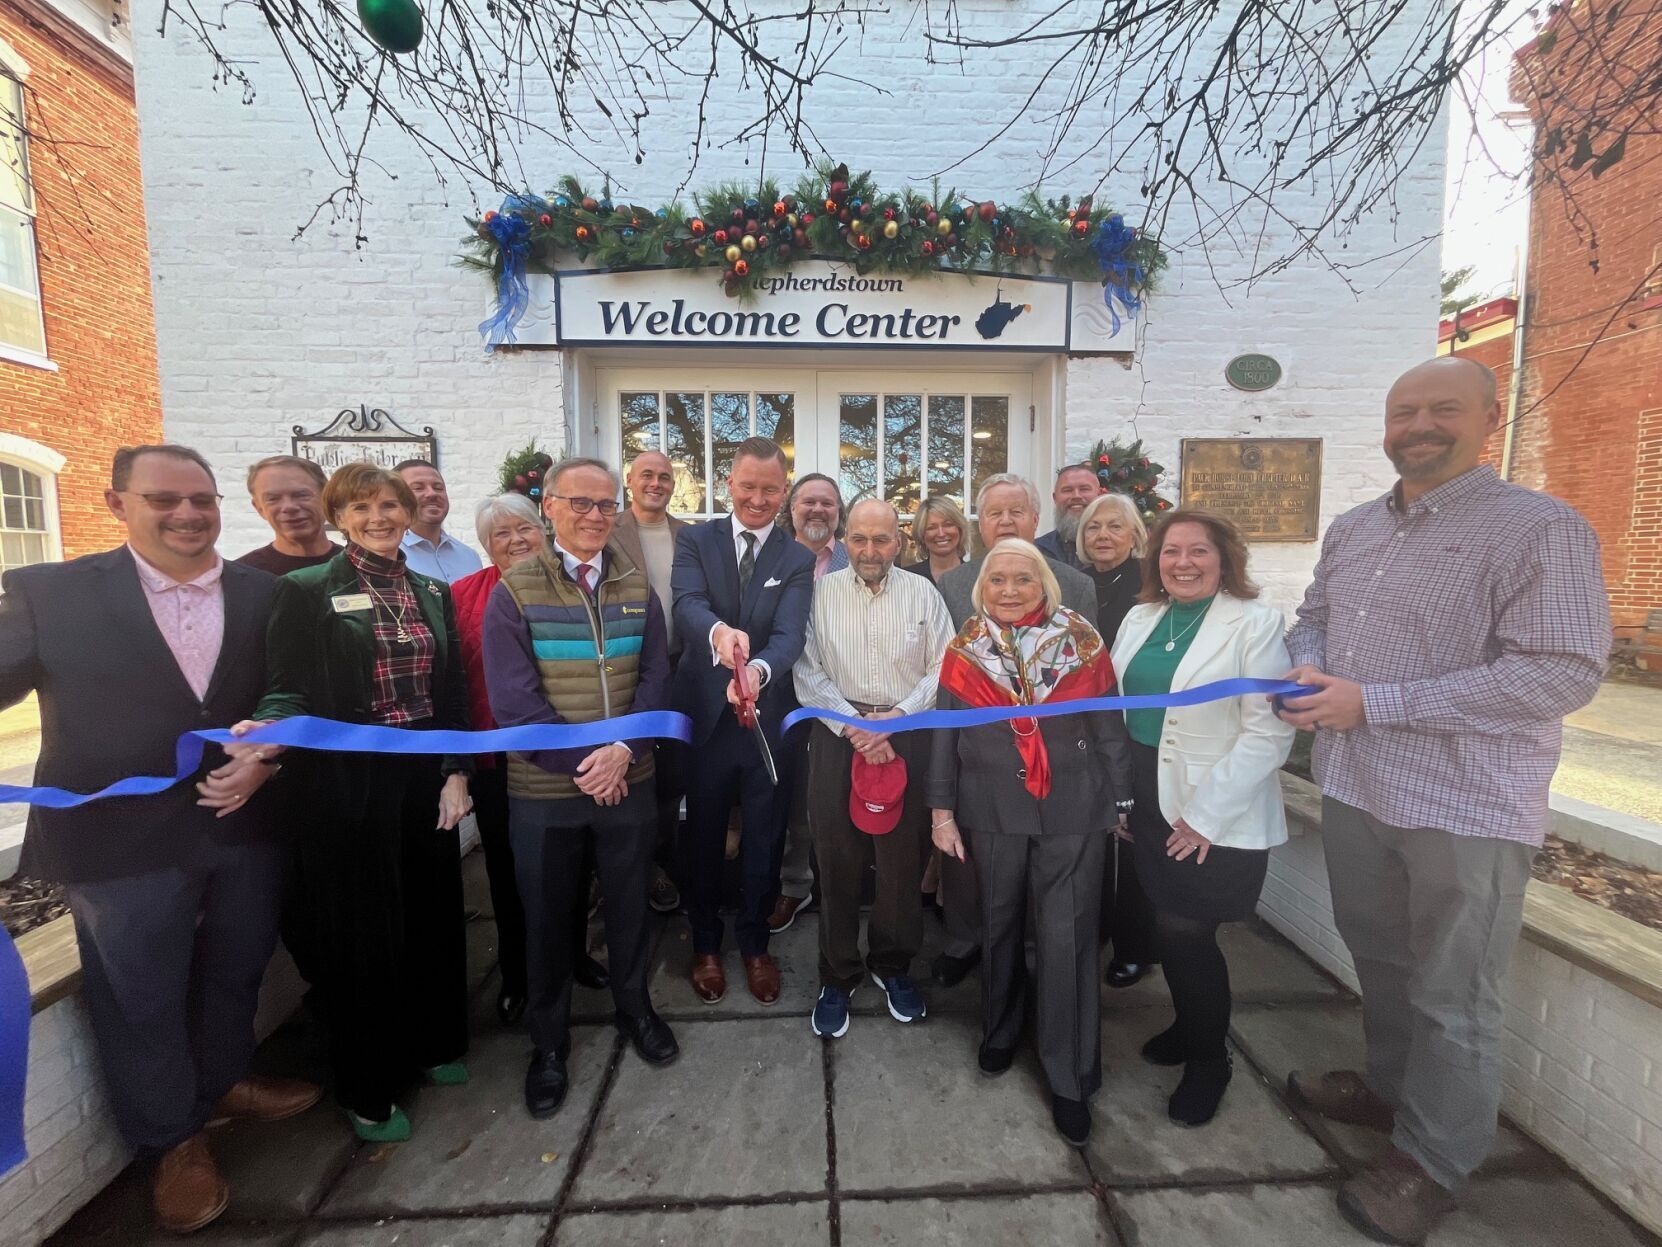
899	434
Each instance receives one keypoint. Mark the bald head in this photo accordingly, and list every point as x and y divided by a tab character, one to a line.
873	539
651	482
1437	417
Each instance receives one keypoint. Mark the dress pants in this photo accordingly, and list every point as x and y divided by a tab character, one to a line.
1127	915
1063	874
669	778
960	897
386	895
725	769
549	841
489	787
1431	919
796	870
171	963
894	933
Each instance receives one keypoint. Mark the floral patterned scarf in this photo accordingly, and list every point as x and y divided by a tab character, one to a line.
1035	660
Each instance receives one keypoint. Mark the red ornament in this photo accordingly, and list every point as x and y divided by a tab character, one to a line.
930	217
807	219
589	205
888	214
582	233
728	277
545	219
780	208
830	205
928	246
863	242
738	216
741	268
520	482
751	226
762	241
535	474
721	237
1104	460
799	238
1081	227
696	226
490	216
838	191
988	210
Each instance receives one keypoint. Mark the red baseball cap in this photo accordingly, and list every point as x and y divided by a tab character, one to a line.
876	794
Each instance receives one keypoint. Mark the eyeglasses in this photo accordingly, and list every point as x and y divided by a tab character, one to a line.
170	502
582	506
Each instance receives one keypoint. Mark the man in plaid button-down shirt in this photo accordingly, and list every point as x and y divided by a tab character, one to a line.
1450	626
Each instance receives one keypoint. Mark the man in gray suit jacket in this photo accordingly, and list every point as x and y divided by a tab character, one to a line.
646	533
1007	506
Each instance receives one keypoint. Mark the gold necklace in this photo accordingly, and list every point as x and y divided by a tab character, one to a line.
402	635
1173	639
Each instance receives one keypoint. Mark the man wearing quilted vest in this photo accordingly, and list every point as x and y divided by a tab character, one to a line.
571	636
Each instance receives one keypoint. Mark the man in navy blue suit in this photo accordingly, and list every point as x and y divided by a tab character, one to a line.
742	590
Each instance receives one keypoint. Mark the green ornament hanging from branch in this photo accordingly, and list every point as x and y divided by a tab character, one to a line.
392	25
1126	469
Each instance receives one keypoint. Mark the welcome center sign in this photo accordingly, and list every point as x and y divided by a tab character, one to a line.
818	304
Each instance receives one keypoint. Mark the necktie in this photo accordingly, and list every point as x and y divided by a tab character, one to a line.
584	572
747	564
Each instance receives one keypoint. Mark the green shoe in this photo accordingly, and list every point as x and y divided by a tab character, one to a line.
395	1129
450	1074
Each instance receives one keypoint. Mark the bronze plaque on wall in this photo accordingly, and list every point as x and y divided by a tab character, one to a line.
1270	486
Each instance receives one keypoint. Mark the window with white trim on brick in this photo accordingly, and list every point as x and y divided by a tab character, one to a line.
21	325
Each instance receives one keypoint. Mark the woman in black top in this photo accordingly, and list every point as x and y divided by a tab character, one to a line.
941	533
1111	541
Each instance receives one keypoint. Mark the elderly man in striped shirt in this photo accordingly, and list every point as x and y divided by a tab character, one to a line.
1452	624
875	639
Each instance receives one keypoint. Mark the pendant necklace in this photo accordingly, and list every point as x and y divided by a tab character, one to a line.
402	635
1171	623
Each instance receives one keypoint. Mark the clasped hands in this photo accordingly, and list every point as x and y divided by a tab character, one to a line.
1336	705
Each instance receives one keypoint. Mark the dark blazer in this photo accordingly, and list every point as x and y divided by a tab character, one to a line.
113	702
977	773
322	662
774	613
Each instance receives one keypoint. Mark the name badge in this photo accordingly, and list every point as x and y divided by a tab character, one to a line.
345	602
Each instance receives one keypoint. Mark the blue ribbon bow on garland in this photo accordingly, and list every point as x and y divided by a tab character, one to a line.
512	233
1121	275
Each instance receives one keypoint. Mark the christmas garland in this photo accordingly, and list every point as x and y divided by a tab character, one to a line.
1124	469
745	232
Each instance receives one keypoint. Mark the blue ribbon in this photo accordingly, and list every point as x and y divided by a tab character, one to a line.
1120	274
14	1052
307	732
512	232
1218	690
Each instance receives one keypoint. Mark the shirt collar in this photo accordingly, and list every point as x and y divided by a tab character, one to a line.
762	534
413	538
157	581
572	562
372	563
1464	486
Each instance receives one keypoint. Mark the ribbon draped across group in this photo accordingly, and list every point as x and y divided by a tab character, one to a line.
306	732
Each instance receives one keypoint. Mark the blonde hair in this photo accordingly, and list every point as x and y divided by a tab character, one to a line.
1128	512
941	505
1031	552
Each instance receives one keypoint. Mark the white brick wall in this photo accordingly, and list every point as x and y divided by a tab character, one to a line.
258	332
1583	1057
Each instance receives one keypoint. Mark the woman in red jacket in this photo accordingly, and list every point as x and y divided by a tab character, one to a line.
511	530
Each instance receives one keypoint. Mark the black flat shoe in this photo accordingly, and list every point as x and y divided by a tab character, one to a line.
1127	973
1165	1048
949	971
994	1061
510	1008
1072	1118
654	1042
591	974
545	1084
1196	1100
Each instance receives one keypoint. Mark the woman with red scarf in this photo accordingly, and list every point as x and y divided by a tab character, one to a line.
1039	799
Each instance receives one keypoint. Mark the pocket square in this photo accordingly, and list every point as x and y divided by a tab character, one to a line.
774	583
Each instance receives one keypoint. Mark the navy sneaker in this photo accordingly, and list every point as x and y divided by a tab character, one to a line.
831	1013
905	1000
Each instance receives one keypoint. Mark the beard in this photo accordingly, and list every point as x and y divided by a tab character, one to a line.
1067	528
816	532
1410	469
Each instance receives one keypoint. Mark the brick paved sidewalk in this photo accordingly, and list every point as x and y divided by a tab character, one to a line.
763	1135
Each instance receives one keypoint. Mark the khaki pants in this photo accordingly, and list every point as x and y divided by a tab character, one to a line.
1431	919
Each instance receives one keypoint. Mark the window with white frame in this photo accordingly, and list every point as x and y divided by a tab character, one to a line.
21	326
24	536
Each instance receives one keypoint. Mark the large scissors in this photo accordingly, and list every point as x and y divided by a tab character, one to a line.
747	714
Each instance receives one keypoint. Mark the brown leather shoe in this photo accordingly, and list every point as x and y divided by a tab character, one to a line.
1394	1200
1341	1095
784	913
761	974
709	980
267	1099
188	1191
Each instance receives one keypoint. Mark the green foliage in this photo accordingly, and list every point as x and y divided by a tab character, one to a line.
1126	469
1452	282
745	232
523	471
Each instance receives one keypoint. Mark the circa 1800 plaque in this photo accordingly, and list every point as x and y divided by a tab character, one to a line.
1270	486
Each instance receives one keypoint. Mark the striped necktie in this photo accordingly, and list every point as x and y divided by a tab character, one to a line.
747	564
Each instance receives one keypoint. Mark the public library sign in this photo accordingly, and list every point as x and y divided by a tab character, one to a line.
824	304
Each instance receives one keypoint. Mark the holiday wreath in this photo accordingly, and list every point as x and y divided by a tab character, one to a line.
744	232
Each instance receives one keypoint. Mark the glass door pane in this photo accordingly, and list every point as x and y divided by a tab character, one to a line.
640	423
903	451
946	446
684	443
857	447
776	418
729	425
989	439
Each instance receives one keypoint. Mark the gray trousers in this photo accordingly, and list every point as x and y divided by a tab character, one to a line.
960	896
1063	875
171	963
796	872
1430	919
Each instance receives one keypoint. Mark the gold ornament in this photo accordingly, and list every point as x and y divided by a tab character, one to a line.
748	242
891	229
733	254
943	227
856	225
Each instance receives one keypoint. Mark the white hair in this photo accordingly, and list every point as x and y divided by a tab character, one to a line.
491	509
1035	556
1128	512
1008	478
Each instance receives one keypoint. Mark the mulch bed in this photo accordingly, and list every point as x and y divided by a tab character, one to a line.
28	903
1631	891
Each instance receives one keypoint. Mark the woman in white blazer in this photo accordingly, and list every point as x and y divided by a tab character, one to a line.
1204	778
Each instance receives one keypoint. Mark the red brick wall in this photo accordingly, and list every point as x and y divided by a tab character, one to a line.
94	275
1496	353
1590	423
